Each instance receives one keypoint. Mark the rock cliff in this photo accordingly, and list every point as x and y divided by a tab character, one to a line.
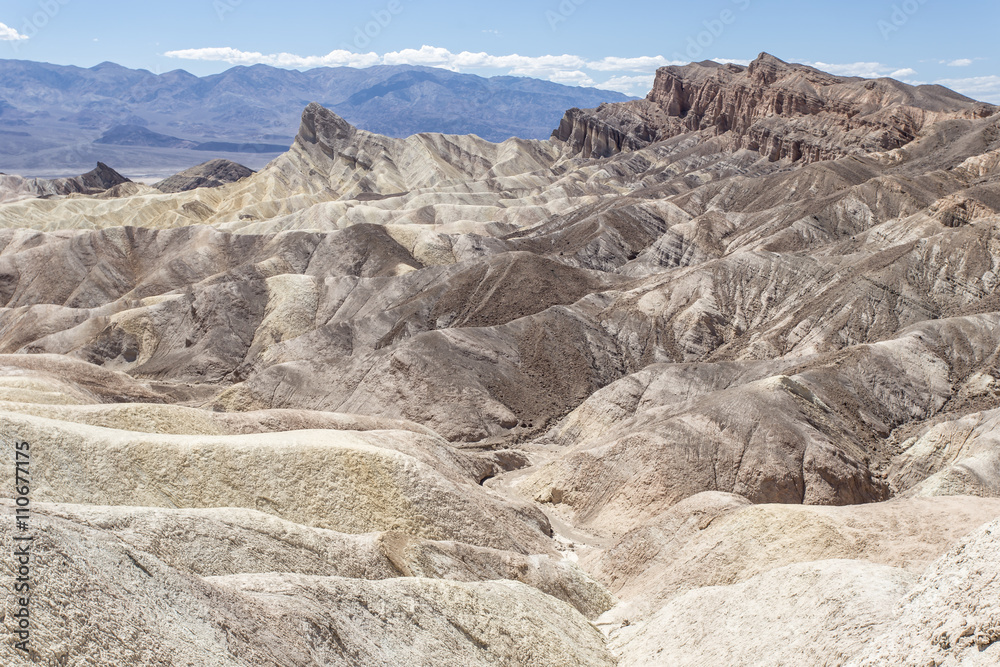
777	109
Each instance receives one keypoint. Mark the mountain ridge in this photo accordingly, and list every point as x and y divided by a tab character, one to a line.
63	109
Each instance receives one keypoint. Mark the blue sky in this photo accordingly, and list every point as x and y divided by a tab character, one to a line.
604	43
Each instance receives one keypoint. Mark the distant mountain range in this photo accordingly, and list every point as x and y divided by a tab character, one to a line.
137	135
58	119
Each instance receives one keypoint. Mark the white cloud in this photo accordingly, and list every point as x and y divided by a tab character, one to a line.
560	69
867	70
641	64
8	34
429	56
574	78
524	65
632	76
961	62
338	58
862	69
565	68
985	88
732	61
636	86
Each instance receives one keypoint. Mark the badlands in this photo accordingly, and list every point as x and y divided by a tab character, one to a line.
710	378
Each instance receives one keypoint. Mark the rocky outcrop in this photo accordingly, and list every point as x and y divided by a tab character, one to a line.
805	614
776	109
96	181
717	539
611	129
339	480
211	174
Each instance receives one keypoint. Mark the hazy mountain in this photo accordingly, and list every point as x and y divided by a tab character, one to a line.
137	135
51	114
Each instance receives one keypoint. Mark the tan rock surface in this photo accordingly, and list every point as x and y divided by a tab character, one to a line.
352	482
230	541
792	437
819	613
101	601
715	539
952	616
954	457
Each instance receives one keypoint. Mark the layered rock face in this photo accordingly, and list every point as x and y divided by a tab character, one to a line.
442	401
779	110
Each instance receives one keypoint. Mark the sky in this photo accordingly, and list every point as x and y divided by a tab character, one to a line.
615	45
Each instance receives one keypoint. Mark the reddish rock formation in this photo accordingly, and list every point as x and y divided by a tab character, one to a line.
775	108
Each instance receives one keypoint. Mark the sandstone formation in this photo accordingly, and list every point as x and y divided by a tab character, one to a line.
956	457
351	482
96	181
210	174
715	539
708	378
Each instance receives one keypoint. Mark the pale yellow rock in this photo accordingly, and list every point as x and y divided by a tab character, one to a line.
230	541
952	616
715	539
818	613
955	457
352	482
